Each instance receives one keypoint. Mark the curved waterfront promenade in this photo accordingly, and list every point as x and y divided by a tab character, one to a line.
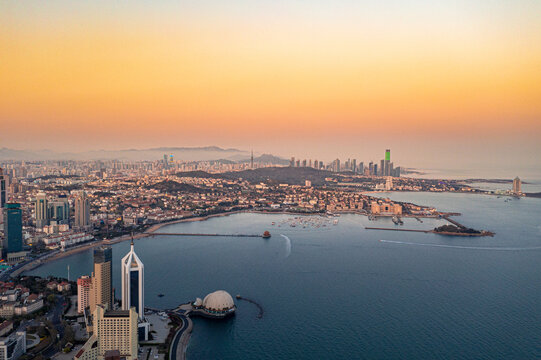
151	231
179	344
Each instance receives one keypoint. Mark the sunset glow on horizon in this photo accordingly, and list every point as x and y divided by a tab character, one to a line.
110	75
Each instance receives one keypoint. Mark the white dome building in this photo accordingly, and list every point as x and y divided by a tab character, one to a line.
218	304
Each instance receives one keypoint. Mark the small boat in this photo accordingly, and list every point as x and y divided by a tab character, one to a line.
266	235
161	295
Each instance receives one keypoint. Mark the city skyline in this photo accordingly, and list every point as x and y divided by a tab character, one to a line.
279	77
343	179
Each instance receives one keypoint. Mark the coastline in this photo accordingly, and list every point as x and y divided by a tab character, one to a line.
155	227
148	232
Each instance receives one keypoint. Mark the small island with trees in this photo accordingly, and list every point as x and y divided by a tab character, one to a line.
455	230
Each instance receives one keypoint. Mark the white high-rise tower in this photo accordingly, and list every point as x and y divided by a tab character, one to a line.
133	283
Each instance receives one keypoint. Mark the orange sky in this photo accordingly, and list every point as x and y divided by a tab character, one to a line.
150	75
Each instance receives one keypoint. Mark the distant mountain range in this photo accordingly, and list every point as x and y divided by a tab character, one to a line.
182	153
268	159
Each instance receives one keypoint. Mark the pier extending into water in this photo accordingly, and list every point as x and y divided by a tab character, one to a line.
260	315
454	222
390	229
196	234
448	233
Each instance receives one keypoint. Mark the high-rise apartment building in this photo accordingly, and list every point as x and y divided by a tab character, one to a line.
41	210
517	186
59	210
113	331
337	165
102	278
3	189
13	346
84	285
13	228
82	211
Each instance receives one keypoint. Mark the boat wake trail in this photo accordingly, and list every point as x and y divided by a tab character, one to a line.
288	245
464	247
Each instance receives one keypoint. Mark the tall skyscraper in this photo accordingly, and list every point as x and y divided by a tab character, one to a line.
3	189
82	211
386	167
41	210
517	186
165	161
113	331
252	160
13	228
292	161
382	168
133	283
59	210
84	284
102	278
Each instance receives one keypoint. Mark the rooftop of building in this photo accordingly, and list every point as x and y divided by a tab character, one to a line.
117	313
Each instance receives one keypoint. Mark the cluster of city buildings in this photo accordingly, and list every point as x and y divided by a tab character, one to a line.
385	167
113	330
51	220
59	204
16	300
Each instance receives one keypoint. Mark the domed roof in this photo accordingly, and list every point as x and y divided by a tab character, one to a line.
218	300
198	302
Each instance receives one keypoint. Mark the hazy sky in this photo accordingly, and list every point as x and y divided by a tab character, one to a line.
454	81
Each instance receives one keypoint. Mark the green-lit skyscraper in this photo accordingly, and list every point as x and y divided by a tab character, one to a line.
386	171
13	228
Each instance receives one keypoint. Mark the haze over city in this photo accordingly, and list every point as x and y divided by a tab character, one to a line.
270	179
444	83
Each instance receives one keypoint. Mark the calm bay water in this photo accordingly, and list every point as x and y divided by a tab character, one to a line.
338	292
